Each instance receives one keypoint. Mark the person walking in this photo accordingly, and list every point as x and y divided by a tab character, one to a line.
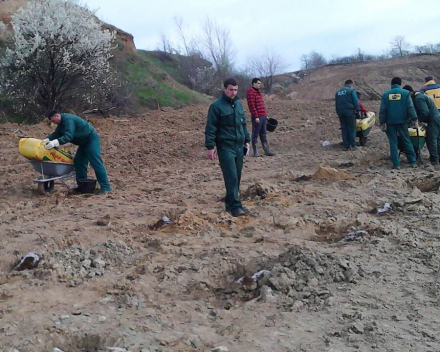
226	129
428	113
258	117
73	129
347	105
396	111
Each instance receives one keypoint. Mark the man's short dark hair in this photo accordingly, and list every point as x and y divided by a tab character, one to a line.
255	80
230	82
408	88
348	81
428	78
396	80
51	113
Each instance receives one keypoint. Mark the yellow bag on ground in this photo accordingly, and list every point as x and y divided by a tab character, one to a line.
33	149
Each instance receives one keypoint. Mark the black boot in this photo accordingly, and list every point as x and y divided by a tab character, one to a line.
266	149
254	150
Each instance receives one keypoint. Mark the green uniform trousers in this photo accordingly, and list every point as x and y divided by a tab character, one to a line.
433	141
231	163
400	131
347	118
91	152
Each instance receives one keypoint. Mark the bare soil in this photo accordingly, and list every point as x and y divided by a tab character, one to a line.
114	274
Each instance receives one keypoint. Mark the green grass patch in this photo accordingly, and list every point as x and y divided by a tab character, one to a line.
148	78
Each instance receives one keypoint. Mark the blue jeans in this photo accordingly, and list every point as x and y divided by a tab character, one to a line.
259	129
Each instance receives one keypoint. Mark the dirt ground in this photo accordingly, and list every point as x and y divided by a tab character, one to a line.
114	277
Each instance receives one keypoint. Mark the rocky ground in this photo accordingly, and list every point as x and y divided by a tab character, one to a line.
116	277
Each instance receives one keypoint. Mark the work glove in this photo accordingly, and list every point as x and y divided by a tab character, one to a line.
257	120
45	140
413	124
211	154
52	144
383	127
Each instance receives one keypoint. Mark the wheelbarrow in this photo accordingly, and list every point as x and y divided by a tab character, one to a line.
418	140
364	124
52	171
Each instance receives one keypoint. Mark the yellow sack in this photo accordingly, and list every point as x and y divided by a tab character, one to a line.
33	149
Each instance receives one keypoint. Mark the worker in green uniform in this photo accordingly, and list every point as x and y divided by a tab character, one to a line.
427	112
396	111
347	105
75	130
226	129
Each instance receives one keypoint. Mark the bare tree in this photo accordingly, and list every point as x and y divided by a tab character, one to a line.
399	46
165	44
428	48
360	55
266	67
218	45
316	60
304	61
182	35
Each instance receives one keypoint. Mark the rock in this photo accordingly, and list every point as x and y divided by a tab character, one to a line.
220	349
102	319
313	282
415	197
57	350
269	323
98	263
266	295
297	306
86	263
116	349
358	328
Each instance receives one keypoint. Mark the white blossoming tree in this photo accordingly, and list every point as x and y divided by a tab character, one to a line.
57	52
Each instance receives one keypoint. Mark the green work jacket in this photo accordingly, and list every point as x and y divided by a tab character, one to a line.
426	109
396	106
226	124
72	129
346	99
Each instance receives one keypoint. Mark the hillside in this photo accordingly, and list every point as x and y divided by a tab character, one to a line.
371	78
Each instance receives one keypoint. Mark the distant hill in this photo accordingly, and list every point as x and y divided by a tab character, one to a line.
371	78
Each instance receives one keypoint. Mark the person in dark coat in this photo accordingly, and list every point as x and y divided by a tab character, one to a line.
226	129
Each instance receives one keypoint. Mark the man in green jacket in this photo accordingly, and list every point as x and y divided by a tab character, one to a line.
75	130
347	105
427	112
226	129
396	111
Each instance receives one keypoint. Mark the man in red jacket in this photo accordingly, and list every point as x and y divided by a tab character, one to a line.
258	117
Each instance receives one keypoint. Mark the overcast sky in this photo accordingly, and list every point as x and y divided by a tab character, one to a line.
289	28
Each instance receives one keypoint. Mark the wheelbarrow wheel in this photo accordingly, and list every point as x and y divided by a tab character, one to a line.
49	186
46	187
363	140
